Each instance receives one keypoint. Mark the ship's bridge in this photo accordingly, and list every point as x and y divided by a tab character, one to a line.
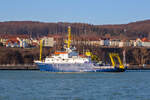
60	55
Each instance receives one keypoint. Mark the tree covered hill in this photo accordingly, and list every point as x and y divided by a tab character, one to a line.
36	29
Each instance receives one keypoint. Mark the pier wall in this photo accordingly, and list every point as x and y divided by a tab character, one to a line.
18	67
138	67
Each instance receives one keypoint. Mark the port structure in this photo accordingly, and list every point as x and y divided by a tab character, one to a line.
116	55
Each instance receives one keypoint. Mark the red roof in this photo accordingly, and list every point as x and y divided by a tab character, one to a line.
34	43
12	41
145	40
14	36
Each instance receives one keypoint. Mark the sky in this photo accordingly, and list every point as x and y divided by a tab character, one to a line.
97	12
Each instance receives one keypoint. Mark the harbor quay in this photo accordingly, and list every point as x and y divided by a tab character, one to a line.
34	67
18	67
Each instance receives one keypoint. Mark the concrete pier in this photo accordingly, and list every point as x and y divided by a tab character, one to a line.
18	67
138	67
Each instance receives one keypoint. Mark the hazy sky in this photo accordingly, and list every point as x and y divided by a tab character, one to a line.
86	11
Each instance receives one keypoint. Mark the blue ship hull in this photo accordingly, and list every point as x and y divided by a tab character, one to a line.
86	67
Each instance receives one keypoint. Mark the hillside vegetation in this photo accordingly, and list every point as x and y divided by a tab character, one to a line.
37	29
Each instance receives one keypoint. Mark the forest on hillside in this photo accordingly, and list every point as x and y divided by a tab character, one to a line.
37	29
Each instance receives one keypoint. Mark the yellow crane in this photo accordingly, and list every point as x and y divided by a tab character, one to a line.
111	55
116	55
93	57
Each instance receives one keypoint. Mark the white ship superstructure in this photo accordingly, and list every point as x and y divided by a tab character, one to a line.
64	57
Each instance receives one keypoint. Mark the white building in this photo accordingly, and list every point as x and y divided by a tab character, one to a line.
138	42
24	42
102	42
114	43
124	44
106	42
146	44
48	41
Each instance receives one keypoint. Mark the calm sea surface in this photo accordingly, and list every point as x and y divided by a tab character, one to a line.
36	85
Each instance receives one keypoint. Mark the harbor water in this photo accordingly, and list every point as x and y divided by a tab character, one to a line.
36	85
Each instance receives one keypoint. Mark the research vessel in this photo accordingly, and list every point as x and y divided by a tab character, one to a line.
70	61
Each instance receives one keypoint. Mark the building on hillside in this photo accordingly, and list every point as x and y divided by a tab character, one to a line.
131	42
24	40
102	42
114	42
9	40
48	41
35	42
24	43
145	42
124	43
138	42
58	39
94	41
3	39
128	43
12	43
106	42
87	41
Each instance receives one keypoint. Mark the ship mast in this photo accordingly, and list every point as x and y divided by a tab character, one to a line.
124	57
41	43
69	36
